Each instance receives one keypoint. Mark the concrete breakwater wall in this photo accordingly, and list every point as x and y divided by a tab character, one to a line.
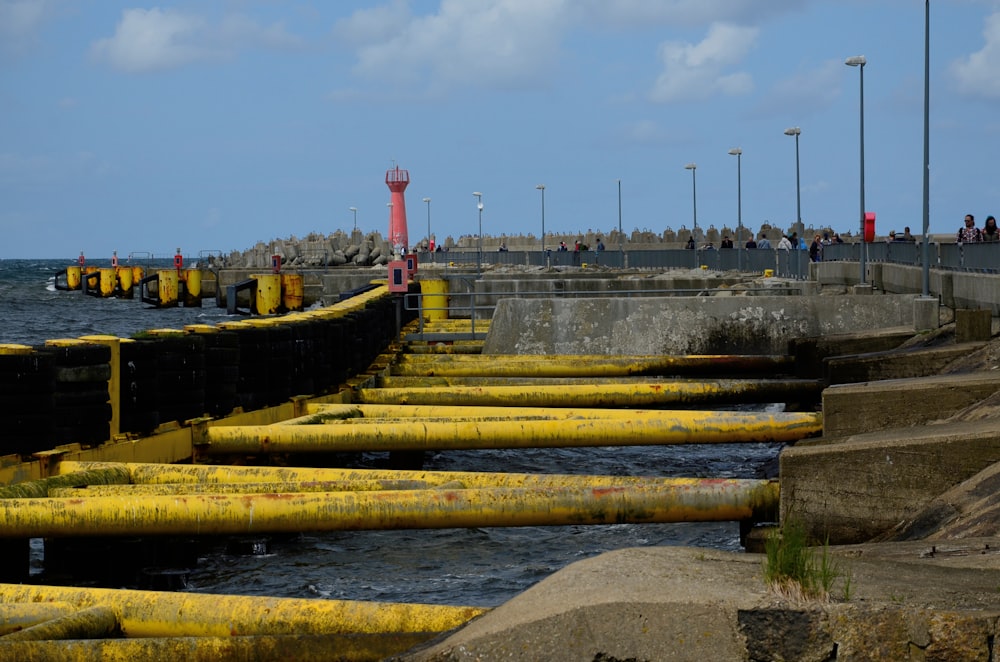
686	325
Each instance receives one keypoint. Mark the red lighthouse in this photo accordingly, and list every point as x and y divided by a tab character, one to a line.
397	181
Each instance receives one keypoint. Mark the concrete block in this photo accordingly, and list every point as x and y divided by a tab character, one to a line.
849	490
862	288
850	409
973	325
925	313
877	366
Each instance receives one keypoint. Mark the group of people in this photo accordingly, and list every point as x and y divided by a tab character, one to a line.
969	233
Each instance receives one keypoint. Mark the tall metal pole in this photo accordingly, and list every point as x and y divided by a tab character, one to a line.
479	205
927	148
621	237
541	187
429	248
860	61
738	153
694	194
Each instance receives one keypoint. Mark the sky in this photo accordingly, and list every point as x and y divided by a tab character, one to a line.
142	128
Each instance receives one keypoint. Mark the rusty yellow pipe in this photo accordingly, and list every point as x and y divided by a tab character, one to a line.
15	617
706	500
437	349
242	488
301	648
522	365
168	614
95	622
392	381
673	427
108	475
638	395
156	474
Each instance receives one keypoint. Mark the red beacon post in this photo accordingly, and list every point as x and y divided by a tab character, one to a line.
178	260
81	260
276	263
397	181
114	259
869	226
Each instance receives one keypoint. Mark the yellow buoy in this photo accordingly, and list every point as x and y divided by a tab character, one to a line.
192	288
292	289
268	296
435	295
73	277
167	287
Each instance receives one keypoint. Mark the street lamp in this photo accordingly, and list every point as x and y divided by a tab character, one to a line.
541	187
355	210
927	147
796	131
429	248
479	205
859	61
694	194
738	153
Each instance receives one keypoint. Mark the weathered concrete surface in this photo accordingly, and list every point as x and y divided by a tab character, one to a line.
684	325
673	603
894	364
851	489
850	409
810	352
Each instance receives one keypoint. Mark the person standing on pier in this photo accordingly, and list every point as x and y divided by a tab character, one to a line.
990	231
970	233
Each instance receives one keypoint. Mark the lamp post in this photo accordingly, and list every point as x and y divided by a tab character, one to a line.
738	153
927	148
796	131
429	248
694	194
541	187
479	205
621	237
859	61
355	210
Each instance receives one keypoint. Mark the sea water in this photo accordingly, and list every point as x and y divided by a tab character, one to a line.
459	566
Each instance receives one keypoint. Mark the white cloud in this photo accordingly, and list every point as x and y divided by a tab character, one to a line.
645	13
807	90
698	71
155	40
20	20
501	42
975	75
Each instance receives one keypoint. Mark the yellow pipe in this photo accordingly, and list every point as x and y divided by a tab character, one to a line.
108	475
91	623
602	395
593	366
674	427
330	412
151	473
397	382
242	488
16	617
167	614
302	648
707	500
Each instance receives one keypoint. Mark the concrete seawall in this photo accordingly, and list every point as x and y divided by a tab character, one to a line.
685	325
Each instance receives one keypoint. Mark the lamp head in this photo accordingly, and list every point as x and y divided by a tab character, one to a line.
794	131
856	61
352	209
480	206
540	187
427	199
477	194
735	151
690	166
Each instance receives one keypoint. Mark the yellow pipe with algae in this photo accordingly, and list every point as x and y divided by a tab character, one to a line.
170	614
673	427
150	474
637	395
301	648
706	500
526	365
94	622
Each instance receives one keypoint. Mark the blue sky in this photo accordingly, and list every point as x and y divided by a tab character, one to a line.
141	127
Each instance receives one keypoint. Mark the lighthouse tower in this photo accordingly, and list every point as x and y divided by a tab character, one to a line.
397	181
